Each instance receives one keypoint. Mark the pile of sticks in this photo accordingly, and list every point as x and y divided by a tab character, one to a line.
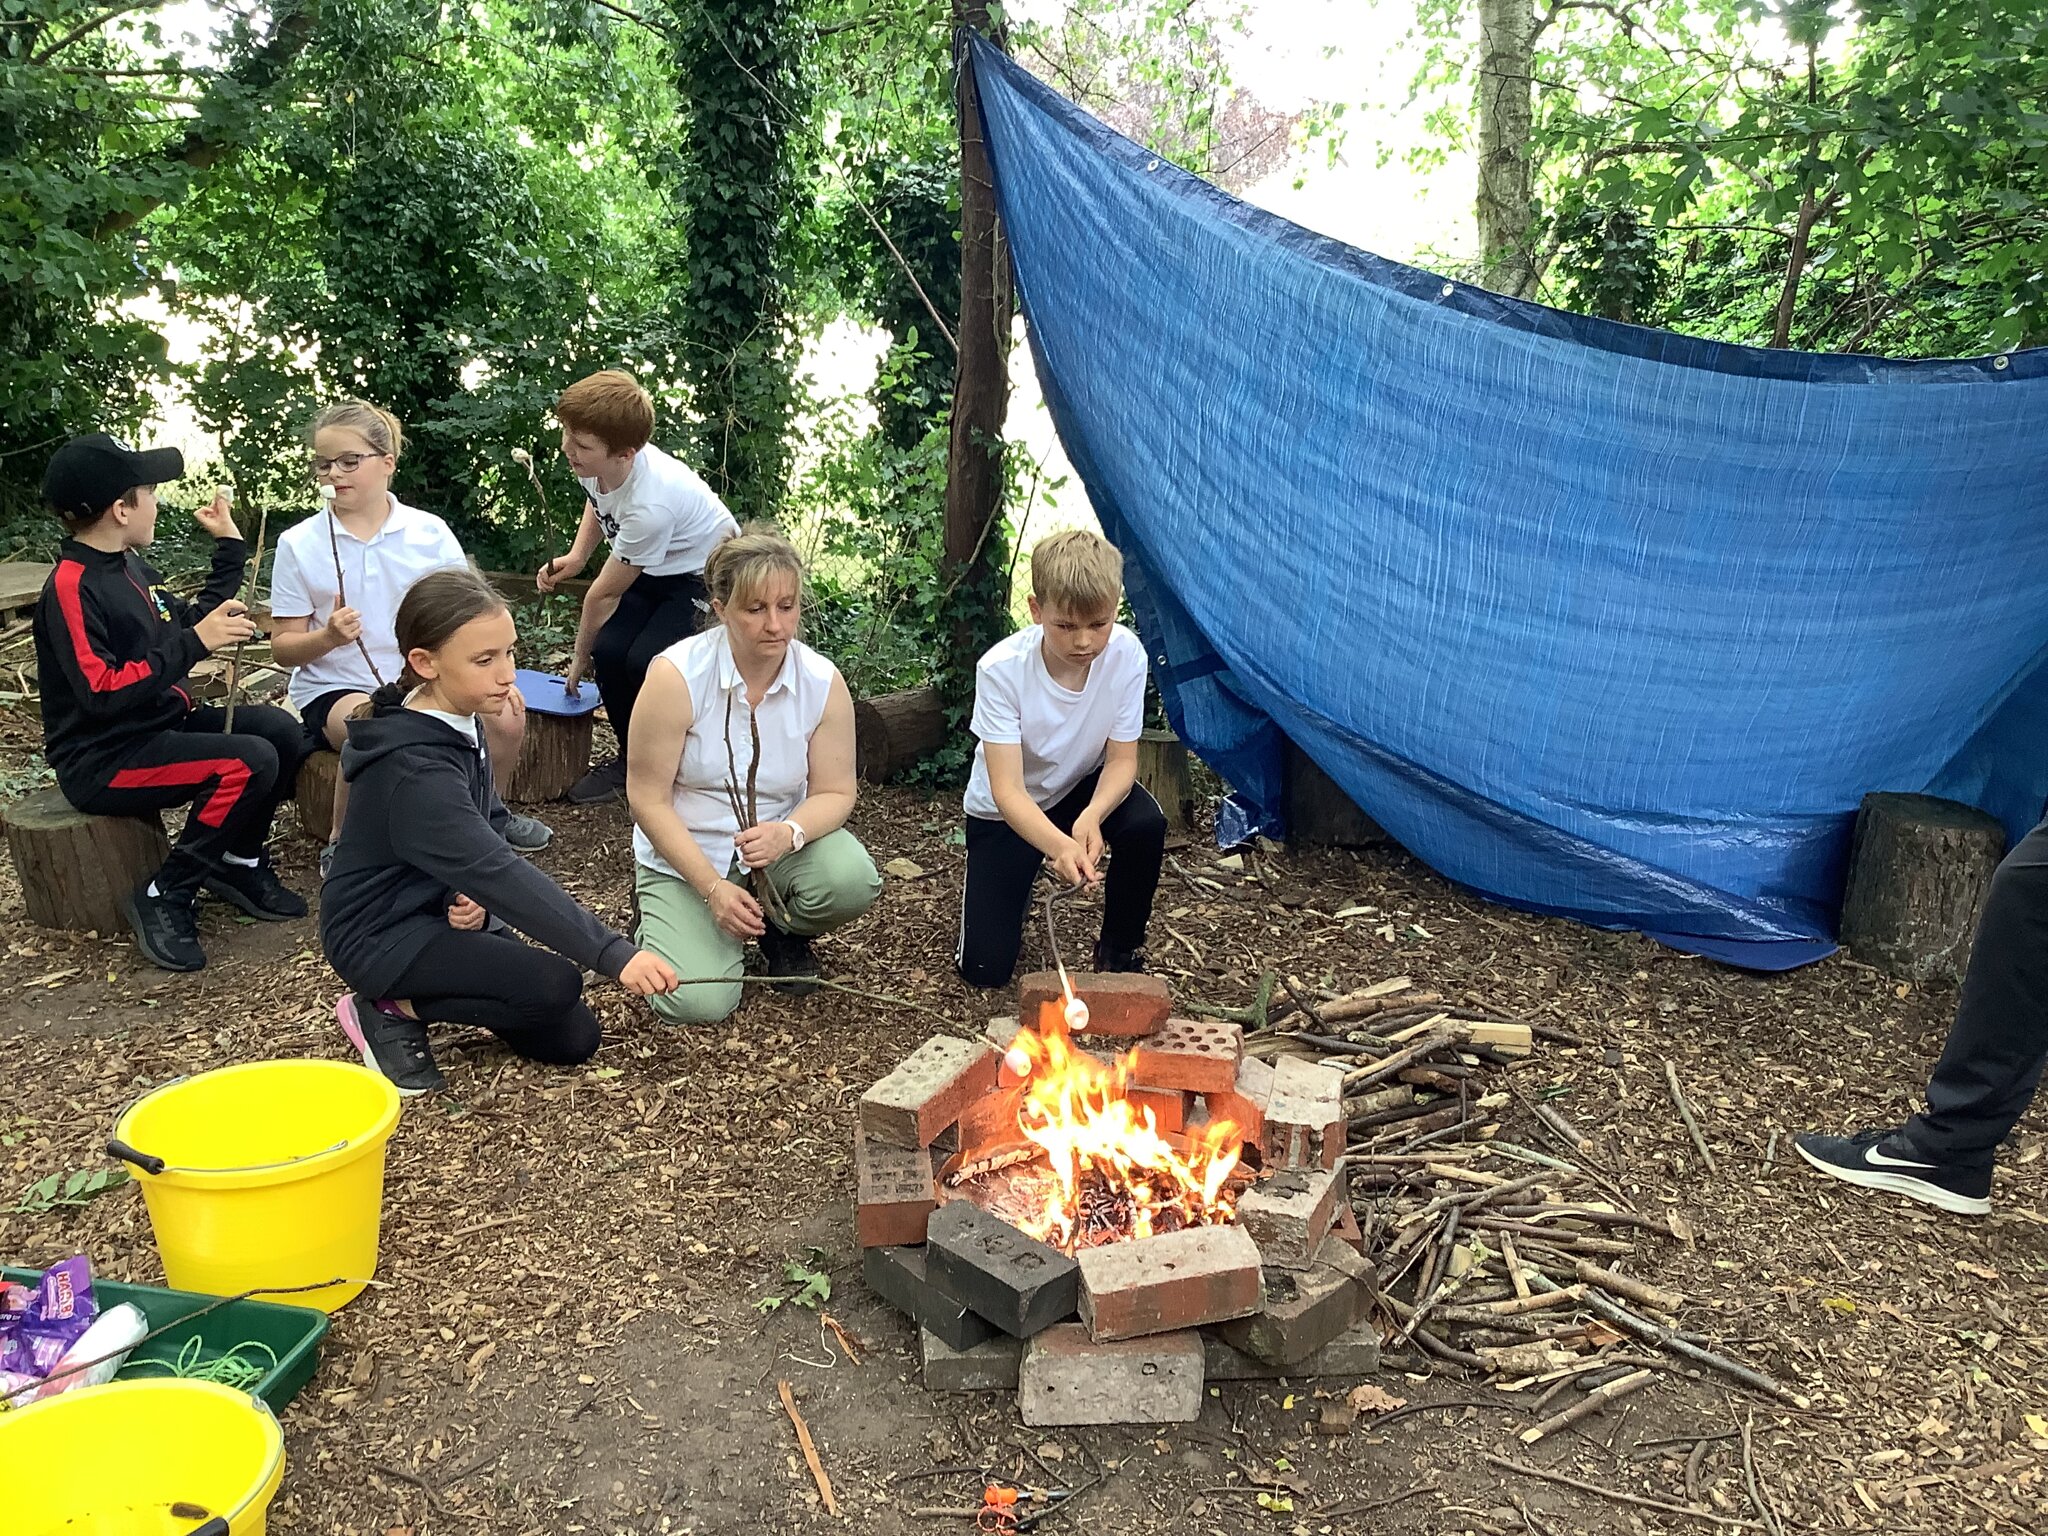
1493	1254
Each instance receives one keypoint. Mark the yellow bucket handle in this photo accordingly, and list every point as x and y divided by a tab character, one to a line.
220	1525
120	1150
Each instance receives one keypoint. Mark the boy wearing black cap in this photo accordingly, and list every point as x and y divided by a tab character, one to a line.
113	646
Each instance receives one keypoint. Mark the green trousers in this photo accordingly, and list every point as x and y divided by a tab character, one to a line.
826	886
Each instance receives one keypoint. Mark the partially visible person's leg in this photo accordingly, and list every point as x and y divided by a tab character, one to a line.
245	877
825	886
504	734
527	997
611	656
1990	1066
1136	835
1000	868
677	925
229	781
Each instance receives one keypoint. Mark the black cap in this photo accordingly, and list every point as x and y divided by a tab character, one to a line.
89	474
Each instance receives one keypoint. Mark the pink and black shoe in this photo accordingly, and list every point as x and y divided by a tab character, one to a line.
389	1043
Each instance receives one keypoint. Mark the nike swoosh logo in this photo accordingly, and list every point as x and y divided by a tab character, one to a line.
1878	1159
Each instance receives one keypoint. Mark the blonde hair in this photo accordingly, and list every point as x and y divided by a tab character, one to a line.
612	407
1077	571
743	564
372	423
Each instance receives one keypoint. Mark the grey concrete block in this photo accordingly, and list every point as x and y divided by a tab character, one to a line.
990	1366
1068	1379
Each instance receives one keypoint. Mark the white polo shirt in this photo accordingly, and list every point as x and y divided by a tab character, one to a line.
1064	733
789	713
377	572
663	520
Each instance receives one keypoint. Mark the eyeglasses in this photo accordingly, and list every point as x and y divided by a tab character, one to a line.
347	463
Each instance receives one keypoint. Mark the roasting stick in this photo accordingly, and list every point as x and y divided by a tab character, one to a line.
1075	1010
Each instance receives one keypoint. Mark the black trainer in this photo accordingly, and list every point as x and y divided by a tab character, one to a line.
1109	961
1885	1159
789	956
390	1043
604	783
256	889
166	928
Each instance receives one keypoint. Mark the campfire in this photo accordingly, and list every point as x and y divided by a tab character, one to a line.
1105	1218
1088	1164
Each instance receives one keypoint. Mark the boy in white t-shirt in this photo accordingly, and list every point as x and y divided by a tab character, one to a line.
662	521
368	547
1057	712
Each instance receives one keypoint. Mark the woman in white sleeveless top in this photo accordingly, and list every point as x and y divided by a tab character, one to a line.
709	703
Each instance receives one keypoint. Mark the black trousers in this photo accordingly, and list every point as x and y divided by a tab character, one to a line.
234	783
1001	866
654	613
528	998
1992	1063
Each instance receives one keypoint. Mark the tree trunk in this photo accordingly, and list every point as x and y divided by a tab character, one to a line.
1918	874
893	731
1507	167
1163	770
974	459
554	755
313	795
75	868
1320	813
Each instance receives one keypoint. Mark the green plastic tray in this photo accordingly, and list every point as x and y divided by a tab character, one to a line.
293	1332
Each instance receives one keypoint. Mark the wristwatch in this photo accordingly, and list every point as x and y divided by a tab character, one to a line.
797	833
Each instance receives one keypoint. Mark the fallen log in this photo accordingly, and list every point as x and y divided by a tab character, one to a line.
893	731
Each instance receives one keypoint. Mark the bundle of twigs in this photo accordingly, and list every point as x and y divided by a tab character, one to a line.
746	811
1498	1235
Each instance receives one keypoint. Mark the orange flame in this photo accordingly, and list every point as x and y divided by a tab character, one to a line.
1114	1174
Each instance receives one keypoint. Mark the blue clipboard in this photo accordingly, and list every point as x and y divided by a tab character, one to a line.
543	694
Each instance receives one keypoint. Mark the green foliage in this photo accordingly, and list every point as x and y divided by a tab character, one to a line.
813	1286
67	1191
740	68
1885	162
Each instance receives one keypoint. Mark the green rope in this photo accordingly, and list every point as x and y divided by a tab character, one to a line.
229	1369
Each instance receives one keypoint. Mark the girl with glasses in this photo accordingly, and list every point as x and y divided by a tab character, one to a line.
335	590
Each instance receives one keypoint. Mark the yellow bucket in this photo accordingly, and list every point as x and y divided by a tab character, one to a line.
262	1175
140	1458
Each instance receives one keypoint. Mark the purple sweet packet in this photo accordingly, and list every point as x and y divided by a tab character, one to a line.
59	1310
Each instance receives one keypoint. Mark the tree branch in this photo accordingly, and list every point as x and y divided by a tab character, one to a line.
91	25
200	147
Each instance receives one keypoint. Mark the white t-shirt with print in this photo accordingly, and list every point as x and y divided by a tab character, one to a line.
377	572
1063	732
663	520
788	713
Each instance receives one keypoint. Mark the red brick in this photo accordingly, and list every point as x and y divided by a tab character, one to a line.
991	1122
895	1191
1177	1280
1244	1102
1288	1213
1199	1055
1345	1228
1118	1004
927	1092
1304	1116
1169	1106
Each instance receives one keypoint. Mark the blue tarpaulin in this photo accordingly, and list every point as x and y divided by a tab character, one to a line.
1595	619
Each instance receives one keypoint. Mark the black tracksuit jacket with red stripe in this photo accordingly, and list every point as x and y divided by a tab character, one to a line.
112	646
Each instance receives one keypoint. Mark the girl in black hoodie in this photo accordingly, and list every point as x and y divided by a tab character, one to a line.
423	881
